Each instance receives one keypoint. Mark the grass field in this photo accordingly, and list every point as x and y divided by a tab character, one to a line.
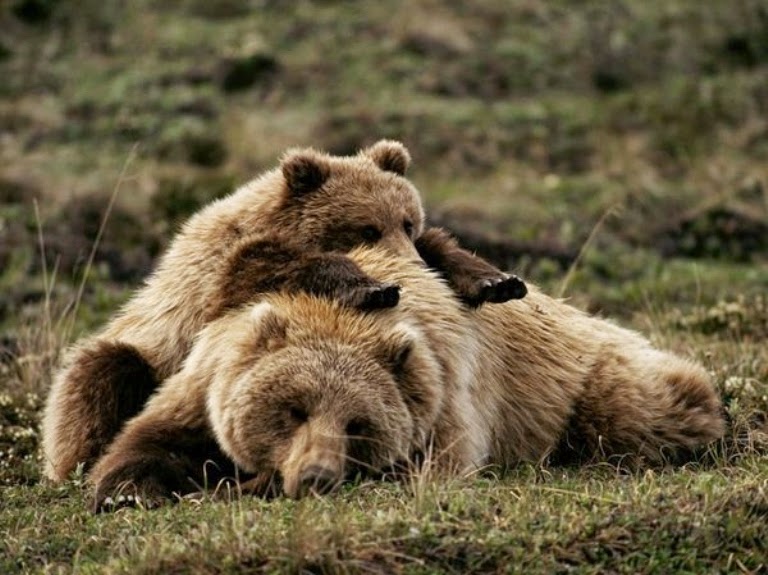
614	153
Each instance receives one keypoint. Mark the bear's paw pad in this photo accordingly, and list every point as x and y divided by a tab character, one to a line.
380	296
499	290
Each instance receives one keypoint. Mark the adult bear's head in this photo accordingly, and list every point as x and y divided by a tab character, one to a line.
315	393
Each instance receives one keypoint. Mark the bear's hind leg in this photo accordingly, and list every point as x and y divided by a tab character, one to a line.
473	279
692	414
104	385
642	405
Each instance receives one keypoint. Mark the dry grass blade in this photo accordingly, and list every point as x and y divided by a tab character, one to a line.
560	292
69	319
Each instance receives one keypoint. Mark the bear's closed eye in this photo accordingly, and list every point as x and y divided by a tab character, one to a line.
370	234
298	415
357	428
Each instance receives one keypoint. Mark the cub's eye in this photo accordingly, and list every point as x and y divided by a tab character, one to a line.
298	415
357	428
370	234
408	227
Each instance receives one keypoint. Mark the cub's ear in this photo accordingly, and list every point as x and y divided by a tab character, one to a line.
304	171
396	350
390	156
270	327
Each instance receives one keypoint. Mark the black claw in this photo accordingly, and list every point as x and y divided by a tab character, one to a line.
507	289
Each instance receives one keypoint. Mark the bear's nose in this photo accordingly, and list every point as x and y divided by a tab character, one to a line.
317	479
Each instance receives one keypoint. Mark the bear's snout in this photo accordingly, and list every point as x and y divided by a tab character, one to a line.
316	459
318	479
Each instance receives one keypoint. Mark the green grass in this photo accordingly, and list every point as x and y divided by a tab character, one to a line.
705	517
632	131
528	521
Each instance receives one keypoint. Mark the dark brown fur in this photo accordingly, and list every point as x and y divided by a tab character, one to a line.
108	367
271	265
264	266
157	462
473	279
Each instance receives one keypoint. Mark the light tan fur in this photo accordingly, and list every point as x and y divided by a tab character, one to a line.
542	372
530	377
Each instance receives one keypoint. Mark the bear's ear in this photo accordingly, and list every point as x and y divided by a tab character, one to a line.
304	171
271	328
396	350
390	156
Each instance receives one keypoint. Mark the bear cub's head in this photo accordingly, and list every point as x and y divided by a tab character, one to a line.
341	202
315	400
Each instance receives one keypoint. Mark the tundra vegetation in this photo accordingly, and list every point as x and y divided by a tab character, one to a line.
616	154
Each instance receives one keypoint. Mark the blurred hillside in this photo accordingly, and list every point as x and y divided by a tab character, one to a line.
533	124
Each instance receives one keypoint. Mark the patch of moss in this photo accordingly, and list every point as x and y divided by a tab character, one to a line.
5	51
127	246
205	150
719	232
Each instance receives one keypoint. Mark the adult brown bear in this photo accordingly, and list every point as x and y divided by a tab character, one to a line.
303	392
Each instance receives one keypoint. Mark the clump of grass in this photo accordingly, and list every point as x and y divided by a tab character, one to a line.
26	367
740	317
19	439
590	520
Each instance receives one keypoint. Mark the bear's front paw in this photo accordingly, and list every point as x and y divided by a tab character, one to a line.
380	296
144	485
495	290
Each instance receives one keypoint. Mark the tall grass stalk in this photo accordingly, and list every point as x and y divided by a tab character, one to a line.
582	252
68	319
